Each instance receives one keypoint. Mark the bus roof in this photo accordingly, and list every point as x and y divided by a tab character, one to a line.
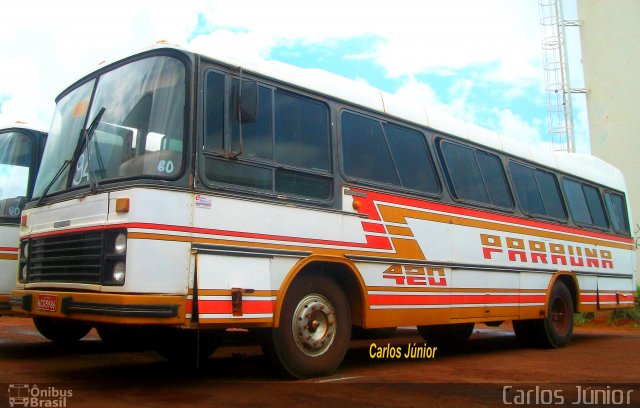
581	165
21	125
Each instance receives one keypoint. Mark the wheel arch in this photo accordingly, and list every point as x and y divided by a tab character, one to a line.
569	279
341	270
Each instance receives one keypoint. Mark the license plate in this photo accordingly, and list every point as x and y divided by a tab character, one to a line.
48	303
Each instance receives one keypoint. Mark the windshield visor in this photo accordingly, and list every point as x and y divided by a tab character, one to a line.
135	121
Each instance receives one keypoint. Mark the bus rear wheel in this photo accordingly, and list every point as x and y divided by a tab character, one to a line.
555	330
557	327
314	329
61	331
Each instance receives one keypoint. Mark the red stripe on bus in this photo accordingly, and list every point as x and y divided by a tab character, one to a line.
373	242
381	300
249	306
588	298
453	299
368	207
8	249
371	227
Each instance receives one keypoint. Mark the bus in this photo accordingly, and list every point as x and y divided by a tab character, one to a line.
188	195
21	148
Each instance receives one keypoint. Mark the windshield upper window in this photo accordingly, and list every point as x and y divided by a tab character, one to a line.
137	126
15	159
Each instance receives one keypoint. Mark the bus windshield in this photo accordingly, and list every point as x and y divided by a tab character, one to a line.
136	117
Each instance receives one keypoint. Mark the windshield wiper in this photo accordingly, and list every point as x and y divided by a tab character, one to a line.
93	181
58	174
93	184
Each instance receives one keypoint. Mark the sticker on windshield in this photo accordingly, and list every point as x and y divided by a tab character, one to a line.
165	166
81	171
202	201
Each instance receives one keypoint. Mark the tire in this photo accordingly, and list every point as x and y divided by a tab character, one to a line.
555	330
189	347
527	332
61	331
446	336
314	329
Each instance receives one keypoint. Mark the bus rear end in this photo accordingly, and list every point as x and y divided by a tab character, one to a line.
20	152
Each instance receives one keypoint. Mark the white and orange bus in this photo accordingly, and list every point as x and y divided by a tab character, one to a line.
189	193
21	148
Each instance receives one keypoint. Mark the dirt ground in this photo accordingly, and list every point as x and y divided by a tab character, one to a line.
492	370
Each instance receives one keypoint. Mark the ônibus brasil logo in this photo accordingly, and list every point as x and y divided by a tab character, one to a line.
33	396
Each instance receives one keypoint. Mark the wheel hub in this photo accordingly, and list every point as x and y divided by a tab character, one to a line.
559	315
314	324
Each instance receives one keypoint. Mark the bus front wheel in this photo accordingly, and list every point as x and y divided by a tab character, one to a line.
314	329
60	330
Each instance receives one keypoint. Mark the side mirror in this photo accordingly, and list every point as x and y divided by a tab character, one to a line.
248	101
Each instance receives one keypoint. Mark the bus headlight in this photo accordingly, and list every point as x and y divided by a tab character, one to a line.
118	272
120	244
23	273
25	250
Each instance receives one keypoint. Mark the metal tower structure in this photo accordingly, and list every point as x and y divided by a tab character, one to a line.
557	85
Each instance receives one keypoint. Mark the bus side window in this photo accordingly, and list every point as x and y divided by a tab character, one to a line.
464	172
537	191
365	151
476	175
412	159
617	212
387	153
585	204
214	110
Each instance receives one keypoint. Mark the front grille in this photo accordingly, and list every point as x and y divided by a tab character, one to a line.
73	258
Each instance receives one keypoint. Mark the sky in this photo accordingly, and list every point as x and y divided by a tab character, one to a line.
480	61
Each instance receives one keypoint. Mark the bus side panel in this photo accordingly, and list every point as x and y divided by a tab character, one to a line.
252	280
588	293
533	285
615	293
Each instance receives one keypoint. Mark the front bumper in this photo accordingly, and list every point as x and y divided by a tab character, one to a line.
101	307
5	307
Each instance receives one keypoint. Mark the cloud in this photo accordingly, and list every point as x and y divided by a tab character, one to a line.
49	45
415	37
481	46
514	126
461	106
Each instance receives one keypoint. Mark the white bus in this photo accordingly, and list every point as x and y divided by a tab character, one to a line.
184	192
21	148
